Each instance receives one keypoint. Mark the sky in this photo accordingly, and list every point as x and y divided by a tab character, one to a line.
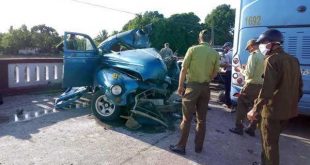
69	15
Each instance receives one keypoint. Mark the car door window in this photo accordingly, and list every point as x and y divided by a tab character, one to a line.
78	43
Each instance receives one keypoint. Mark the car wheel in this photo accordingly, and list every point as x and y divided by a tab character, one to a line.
103	108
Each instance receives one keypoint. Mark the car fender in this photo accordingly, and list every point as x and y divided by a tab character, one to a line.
106	78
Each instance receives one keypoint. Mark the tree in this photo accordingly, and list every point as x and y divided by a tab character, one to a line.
142	20
16	39
158	22
113	33
222	20
1	47
45	38
183	30
180	30
101	36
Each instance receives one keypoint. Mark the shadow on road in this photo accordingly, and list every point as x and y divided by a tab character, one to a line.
220	145
24	131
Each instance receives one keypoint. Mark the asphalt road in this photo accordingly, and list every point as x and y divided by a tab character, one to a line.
73	136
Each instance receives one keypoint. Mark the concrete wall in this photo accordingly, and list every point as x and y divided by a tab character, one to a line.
32	74
26	74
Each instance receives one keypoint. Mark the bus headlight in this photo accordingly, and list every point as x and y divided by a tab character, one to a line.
116	90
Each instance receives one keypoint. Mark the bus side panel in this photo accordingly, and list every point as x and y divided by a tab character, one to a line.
266	13
244	35
255	16
297	44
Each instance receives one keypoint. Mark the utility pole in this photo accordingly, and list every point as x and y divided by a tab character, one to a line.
212	35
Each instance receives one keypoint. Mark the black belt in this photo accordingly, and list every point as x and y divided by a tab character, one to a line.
198	83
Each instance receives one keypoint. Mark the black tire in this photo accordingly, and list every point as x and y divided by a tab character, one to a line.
112	111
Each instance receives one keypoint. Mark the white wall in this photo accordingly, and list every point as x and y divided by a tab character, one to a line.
26	74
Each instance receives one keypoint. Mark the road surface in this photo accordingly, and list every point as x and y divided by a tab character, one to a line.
73	137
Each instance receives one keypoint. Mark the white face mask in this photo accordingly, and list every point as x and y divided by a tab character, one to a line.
263	49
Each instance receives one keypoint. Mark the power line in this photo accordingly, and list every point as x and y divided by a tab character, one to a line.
128	12
101	6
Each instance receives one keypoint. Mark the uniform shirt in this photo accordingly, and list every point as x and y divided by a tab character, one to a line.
282	86
166	52
254	69
202	62
228	59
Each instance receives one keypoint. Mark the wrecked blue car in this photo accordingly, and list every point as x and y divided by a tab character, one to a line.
126	76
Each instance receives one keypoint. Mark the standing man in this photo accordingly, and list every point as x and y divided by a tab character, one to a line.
166	52
253	82
279	96
200	65
226	64
170	61
72	42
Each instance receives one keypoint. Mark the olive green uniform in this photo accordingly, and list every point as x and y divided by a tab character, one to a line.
277	101
202	62
253	83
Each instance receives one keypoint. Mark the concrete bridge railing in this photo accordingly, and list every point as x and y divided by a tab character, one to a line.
18	75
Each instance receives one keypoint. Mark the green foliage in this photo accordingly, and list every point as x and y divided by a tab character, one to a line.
42	37
45	38
113	33
142	20
180	30
101	37
16	39
222	19
1	48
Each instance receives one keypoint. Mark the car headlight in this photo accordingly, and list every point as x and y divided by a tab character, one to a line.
116	90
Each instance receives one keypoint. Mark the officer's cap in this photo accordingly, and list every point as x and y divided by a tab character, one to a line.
271	35
250	43
227	44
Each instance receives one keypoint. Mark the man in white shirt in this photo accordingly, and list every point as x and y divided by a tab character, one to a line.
226	64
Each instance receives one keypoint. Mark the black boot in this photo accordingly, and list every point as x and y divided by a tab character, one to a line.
177	149
250	131
198	150
236	130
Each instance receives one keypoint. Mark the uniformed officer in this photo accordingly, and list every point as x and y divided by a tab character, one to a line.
279	96
200	65
253	82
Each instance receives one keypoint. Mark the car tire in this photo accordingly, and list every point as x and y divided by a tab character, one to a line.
103	108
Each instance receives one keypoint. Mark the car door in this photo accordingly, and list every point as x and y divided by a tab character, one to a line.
80	60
